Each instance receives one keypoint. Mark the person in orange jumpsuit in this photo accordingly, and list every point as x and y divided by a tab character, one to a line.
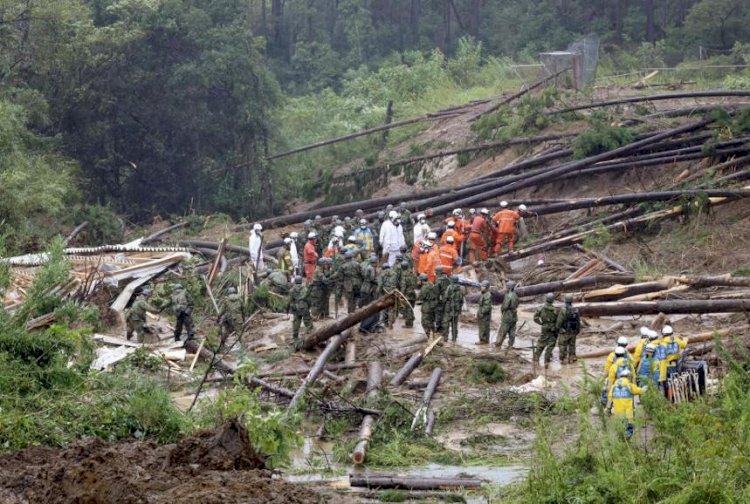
507	223
422	261
479	237
433	261
449	256
310	256
452	232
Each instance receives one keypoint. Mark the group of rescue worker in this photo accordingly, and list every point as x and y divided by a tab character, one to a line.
655	358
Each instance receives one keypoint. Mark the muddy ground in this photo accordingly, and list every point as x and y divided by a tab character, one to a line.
211	467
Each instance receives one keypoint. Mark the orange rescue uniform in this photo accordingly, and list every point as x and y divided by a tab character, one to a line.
448	257
478	236
506	221
310	259
457	237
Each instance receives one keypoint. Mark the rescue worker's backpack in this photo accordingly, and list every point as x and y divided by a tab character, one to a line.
572	321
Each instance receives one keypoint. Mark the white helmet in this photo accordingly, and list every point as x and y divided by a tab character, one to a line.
294	235
362	222
622	341
472	211
457	211
625	372
620	350
287	240
432	235
650	348
451	223
392	215
644	331
428	243
311	235
338	232
450	239
652	335
503	204
257	227
667	330
522	207
484	211
352	239
421	217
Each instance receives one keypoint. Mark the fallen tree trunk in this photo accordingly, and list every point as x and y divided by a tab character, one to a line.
369	131
365	432
319	366
635	198
667	307
615	292
411	483
413	363
159	234
80	227
513	97
374	378
606	260
339	326
214	245
421	416
576	285
293	372
658	97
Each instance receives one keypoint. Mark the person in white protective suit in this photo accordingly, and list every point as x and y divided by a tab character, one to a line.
256	247
421	228
391	238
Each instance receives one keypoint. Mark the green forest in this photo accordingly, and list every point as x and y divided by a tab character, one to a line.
157	107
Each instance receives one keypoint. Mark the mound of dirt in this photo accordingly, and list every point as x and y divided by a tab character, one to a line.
211	467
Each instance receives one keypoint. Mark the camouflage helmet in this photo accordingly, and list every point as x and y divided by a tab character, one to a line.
568	298
373	259
386	266
485	284
423	277
298	280
454	279
322	261
177	286
231	290
549	298
404	265
511	285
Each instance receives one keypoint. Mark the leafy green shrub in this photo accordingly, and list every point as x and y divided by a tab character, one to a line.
104	226
601	138
488	371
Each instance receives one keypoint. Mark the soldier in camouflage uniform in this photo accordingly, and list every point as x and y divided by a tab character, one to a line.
369	280
408	286
182	304
319	290
387	283
351	278
428	297
276	281
442	282
550	318
454	303
406	256
135	319
570	326
484	314
230	312
509	317
299	307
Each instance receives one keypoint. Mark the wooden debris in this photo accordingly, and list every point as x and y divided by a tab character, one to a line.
365	432
411	483
317	369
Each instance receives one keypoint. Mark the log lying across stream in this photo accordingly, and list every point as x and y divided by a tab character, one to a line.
667	307
316	337
411	483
